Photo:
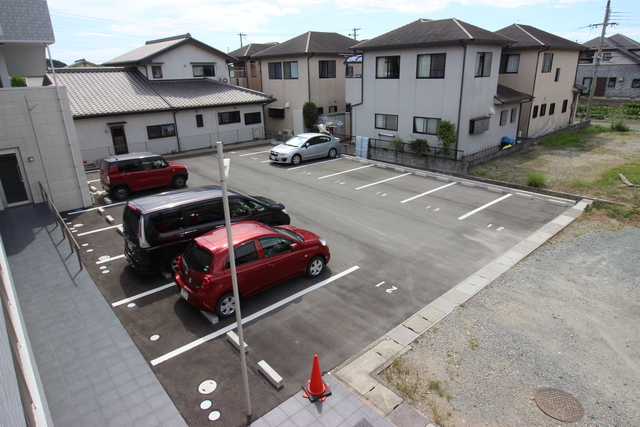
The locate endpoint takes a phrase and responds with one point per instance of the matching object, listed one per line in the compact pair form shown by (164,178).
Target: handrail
(73,245)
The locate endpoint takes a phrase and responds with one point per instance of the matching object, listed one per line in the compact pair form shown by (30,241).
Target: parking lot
(398,238)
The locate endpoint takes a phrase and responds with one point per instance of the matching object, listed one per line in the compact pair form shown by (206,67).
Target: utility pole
(241,37)
(598,55)
(355,33)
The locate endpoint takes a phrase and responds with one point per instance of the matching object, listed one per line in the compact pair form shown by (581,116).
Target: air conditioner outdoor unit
(223,79)
(287,132)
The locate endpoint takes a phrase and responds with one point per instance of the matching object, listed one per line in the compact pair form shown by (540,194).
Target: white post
(234,278)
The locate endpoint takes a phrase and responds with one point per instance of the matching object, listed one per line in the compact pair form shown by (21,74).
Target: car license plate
(184,294)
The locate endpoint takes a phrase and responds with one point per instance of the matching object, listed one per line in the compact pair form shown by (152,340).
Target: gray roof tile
(251,49)
(427,32)
(311,42)
(25,20)
(113,90)
(506,95)
(531,37)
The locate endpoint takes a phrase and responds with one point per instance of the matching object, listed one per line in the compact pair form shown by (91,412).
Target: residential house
(543,65)
(82,63)
(38,143)
(309,67)
(170,95)
(247,71)
(427,71)
(619,70)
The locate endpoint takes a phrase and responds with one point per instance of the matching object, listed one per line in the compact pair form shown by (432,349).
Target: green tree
(309,114)
(446,132)
(18,81)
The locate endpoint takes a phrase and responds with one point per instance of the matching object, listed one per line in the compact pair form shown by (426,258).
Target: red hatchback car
(265,256)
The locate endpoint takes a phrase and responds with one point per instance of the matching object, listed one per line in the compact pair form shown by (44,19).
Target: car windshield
(197,258)
(296,141)
(289,233)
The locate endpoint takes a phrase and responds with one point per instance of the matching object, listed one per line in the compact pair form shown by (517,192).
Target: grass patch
(577,138)
(474,344)
(402,378)
(536,179)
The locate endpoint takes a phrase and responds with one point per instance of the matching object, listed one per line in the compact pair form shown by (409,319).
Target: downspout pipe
(309,76)
(66,130)
(361,96)
(175,124)
(464,61)
(533,89)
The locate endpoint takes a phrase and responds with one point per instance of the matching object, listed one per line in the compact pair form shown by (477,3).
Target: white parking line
(98,230)
(347,171)
(251,154)
(248,319)
(312,164)
(98,207)
(485,206)
(384,180)
(110,259)
(428,192)
(144,294)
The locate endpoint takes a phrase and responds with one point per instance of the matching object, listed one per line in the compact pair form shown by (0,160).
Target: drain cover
(559,404)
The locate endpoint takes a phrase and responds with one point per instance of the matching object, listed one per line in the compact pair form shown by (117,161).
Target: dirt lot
(566,317)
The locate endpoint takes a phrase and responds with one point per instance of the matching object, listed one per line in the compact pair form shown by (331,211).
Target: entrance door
(119,140)
(601,85)
(12,179)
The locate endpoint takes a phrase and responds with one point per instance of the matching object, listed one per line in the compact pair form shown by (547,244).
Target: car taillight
(108,180)
(179,263)
(206,282)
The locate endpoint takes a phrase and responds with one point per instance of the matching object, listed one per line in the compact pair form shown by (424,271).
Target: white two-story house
(545,66)
(170,95)
(428,71)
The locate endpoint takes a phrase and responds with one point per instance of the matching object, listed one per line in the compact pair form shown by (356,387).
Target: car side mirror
(306,145)
(295,247)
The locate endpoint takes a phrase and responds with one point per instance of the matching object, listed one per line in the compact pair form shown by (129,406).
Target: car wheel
(296,159)
(178,181)
(120,193)
(226,305)
(333,153)
(315,266)
(172,262)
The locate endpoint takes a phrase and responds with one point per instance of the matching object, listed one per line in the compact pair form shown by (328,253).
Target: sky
(102,30)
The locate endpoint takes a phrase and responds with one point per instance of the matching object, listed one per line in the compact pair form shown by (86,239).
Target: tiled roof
(613,42)
(426,32)
(251,49)
(528,36)
(153,48)
(506,95)
(25,21)
(112,90)
(311,42)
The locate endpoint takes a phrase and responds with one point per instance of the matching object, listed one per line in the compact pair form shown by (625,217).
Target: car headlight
(285,211)
(323,242)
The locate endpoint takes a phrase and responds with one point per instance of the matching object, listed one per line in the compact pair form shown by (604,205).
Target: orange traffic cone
(316,389)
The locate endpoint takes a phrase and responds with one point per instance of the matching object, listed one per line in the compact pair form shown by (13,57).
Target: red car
(265,256)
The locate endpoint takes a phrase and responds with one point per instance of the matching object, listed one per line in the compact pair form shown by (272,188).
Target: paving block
(233,338)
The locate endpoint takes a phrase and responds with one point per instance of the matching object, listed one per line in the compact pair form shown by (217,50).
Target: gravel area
(568,317)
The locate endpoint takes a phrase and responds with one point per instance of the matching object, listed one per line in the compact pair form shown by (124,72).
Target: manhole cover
(559,404)
(207,386)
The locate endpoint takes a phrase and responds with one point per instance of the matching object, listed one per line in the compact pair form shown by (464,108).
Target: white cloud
(429,6)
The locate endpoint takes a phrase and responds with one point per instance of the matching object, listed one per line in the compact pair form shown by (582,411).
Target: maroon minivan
(122,174)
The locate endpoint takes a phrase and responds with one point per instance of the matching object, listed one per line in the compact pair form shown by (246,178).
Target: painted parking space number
(391,289)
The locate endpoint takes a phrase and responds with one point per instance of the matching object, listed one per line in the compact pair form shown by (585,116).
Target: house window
(478,125)
(612,82)
(388,67)
(483,64)
(504,115)
(229,117)
(254,69)
(386,121)
(327,69)
(635,83)
(237,71)
(606,56)
(203,70)
(425,125)
(156,71)
(252,118)
(161,131)
(514,115)
(275,70)
(431,66)
(320,110)
(565,103)
(333,109)
(535,112)
(276,112)
(552,108)
(509,63)
(199,121)
(586,81)
(291,70)
(547,62)
(543,110)
(557,79)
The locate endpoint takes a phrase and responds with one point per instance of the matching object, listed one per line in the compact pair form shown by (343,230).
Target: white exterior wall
(95,133)
(409,97)
(177,63)
(41,134)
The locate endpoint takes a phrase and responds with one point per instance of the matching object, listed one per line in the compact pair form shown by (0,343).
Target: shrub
(446,132)
(18,81)
(419,146)
(309,114)
(397,144)
(619,127)
(536,179)
(631,109)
